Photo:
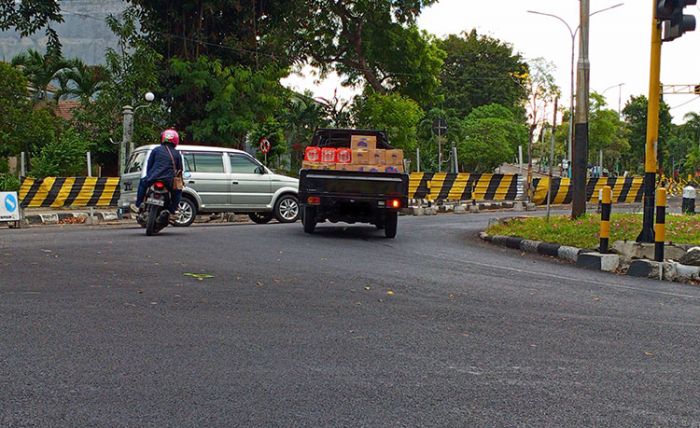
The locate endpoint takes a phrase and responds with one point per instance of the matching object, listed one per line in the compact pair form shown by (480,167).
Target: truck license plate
(154,201)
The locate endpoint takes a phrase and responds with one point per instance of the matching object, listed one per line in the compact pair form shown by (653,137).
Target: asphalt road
(101,327)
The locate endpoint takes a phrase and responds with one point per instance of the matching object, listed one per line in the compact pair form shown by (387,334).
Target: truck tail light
(394,203)
(314,200)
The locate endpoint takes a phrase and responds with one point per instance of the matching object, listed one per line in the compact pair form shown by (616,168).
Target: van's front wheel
(287,209)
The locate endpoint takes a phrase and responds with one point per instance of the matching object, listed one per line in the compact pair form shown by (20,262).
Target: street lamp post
(128,130)
(619,96)
(573,34)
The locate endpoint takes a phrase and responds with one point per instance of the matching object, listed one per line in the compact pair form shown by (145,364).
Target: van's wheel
(309,219)
(390,224)
(186,213)
(287,209)
(260,218)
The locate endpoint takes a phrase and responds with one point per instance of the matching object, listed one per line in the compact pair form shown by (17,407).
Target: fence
(57,192)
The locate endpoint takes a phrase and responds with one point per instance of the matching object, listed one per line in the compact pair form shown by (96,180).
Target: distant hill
(83,33)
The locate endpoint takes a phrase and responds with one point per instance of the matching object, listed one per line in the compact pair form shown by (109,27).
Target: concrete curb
(465,207)
(588,259)
(67,218)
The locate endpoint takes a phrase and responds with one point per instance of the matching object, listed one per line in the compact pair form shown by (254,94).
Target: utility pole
(580,152)
(551,157)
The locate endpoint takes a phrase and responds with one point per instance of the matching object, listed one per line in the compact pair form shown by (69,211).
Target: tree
(133,68)
(231,102)
(372,42)
(396,114)
(40,70)
(64,157)
(481,70)
(635,114)
(606,132)
(22,128)
(82,81)
(301,117)
(492,134)
(27,17)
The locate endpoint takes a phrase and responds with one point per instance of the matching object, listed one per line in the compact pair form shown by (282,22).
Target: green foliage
(133,69)
(583,231)
(8,182)
(399,116)
(375,42)
(692,161)
(227,101)
(481,70)
(40,70)
(606,132)
(22,128)
(491,136)
(82,81)
(635,113)
(27,17)
(64,157)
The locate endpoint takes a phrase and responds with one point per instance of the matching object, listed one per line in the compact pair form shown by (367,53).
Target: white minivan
(219,180)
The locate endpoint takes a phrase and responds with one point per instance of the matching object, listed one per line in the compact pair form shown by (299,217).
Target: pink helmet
(170,136)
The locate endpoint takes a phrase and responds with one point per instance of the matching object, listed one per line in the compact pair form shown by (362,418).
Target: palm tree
(692,121)
(82,81)
(40,70)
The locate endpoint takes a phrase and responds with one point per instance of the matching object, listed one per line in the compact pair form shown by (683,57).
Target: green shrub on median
(8,183)
(583,232)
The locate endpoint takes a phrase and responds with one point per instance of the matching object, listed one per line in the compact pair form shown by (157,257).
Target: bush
(64,157)
(8,183)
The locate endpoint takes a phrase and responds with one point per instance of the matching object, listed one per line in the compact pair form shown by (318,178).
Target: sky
(619,46)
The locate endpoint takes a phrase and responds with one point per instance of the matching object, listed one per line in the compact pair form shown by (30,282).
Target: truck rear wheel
(390,224)
(309,219)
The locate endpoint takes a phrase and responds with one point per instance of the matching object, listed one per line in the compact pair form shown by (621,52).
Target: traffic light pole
(580,150)
(652,141)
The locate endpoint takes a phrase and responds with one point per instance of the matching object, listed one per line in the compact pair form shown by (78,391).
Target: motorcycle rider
(163,164)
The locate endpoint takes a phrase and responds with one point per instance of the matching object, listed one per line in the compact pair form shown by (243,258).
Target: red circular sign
(265,145)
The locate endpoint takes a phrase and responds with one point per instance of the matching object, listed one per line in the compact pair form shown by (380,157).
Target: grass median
(583,232)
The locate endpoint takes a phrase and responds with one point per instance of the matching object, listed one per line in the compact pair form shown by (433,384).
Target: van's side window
(203,162)
(242,164)
(137,162)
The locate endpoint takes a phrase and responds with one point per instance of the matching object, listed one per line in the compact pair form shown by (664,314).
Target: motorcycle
(154,214)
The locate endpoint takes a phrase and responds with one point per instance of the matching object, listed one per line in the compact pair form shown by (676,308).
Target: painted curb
(670,271)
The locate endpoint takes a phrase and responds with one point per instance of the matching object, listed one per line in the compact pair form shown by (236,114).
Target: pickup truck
(351,196)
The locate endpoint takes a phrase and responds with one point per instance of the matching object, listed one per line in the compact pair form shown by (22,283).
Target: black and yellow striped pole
(660,226)
(605,211)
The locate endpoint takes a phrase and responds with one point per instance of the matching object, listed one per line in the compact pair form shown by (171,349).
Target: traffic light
(675,23)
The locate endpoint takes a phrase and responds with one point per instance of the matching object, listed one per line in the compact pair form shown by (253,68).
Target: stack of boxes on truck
(363,155)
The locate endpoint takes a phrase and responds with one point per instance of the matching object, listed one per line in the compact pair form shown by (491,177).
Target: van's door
(206,175)
(249,188)
(135,169)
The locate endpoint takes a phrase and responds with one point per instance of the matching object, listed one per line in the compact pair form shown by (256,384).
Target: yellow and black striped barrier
(443,186)
(57,192)
(624,189)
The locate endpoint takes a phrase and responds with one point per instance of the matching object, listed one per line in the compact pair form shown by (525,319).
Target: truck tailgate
(352,184)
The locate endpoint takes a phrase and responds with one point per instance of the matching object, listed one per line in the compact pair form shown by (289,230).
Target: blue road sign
(10,203)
